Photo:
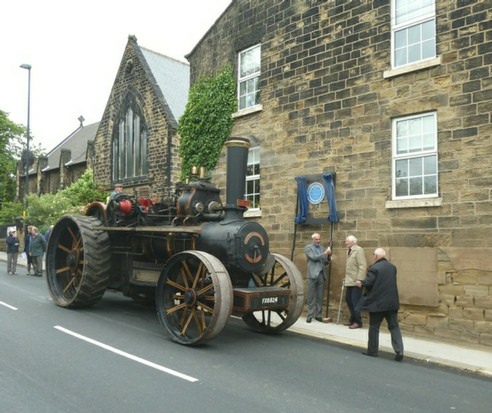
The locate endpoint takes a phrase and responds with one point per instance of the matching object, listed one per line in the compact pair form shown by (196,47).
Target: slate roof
(172,77)
(76,142)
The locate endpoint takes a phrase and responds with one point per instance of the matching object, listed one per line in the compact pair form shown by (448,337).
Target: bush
(47,209)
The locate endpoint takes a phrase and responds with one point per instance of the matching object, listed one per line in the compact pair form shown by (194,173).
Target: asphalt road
(115,357)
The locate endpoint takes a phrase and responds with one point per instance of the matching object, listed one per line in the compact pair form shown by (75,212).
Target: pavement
(467,358)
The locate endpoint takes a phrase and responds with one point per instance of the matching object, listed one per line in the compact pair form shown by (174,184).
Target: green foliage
(47,209)
(12,151)
(10,143)
(207,121)
(10,211)
(83,190)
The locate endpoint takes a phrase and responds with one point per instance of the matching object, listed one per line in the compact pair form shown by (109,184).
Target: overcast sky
(75,49)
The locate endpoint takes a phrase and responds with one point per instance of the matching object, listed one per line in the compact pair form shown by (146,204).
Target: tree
(47,209)
(207,121)
(10,144)
(84,190)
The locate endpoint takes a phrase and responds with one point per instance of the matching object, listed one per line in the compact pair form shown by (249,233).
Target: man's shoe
(308,320)
(355,325)
(348,324)
(399,357)
(319,319)
(369,354)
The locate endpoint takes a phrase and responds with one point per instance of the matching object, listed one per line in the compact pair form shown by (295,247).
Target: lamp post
(28,67)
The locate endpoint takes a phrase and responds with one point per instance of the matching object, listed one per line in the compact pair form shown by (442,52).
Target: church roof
(76,143)
(172,77)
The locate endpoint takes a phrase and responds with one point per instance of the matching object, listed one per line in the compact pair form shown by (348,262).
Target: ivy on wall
(207,121)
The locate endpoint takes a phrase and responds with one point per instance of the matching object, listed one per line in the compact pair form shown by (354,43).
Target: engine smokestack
(237,161)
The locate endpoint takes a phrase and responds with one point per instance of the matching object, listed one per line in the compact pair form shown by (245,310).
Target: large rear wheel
(194,297)
(284,274)
(78,261)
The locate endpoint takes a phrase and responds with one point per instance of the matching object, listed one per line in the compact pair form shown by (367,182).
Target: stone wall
(133,80)
(327,105)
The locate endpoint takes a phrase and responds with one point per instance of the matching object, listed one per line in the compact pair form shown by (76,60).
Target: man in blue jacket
(382,302)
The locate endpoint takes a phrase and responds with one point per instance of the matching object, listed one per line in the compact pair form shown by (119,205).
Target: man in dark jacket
(12,251)
(36,250)
(27,248)
(382,302)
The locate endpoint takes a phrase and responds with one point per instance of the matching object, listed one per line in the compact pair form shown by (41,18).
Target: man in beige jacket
(355,270)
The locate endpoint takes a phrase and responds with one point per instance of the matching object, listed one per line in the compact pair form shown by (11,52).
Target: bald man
(382,303)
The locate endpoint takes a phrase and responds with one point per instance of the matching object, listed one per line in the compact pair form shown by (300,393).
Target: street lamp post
(28,67)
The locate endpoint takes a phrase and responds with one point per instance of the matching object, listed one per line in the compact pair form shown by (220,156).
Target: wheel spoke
(175,308)
(187,324)
(175,285)
(204,290)
(198,274)
(186,273)
(63,248)
(205,307)
(69,284)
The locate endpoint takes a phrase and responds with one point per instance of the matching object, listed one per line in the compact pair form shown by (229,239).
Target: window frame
(129,147)
(253,159)
(419,20)
(256,75)
(415,154)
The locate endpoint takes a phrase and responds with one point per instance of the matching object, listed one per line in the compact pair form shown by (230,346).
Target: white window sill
(252,213)
(412,67)
(414,203)
(248,111)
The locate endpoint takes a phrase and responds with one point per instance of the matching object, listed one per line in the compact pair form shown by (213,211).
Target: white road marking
(128,355)
(8,306)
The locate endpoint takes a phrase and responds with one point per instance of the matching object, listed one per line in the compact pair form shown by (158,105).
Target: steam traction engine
(197,258)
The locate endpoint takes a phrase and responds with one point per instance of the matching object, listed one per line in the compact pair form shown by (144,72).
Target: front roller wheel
(194,297)
(78,261)
(285,274)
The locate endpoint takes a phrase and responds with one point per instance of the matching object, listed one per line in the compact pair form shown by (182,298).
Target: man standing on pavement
(12,251)
(27,248)
(355,270)
(316,261)
(37,249)
(382,302)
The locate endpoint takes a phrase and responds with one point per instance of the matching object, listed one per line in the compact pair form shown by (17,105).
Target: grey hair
(380,253)
(351,238)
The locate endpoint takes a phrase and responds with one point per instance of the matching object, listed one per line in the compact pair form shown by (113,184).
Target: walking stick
(340,305)
(329,275)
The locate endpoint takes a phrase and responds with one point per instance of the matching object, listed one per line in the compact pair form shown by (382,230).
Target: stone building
(395,102)
(63,164)
(137,143)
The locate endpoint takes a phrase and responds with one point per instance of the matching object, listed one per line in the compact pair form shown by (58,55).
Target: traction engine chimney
(237,162)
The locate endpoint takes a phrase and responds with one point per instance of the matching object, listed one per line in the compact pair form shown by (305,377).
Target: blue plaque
(315,193)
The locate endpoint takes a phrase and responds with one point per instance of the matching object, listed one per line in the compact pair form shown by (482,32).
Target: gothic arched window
(130,147)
